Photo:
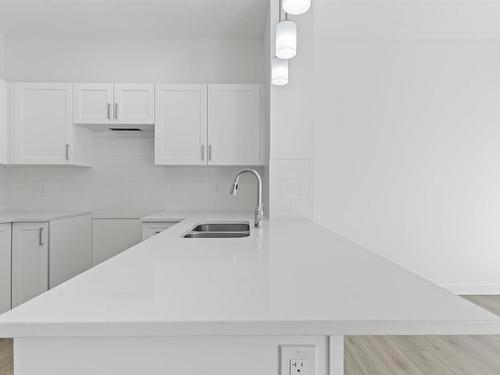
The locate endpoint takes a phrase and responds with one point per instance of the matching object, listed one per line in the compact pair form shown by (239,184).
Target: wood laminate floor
(399,355)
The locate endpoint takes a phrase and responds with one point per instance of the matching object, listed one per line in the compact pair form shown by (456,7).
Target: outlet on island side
(297,360)
(298,367)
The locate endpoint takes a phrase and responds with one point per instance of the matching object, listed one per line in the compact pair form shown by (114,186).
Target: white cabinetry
(42,123)
(5,261)
(181,124)
(70,248)
(107,103)
(235,125)
(3,122)
(30,261)
(134,103)
(41,128)
(33,270)
(111,236)
(150,229)
(209,125)
(93,103)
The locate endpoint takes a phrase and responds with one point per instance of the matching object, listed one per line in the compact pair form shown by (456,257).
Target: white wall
(291,126)
(3,115)
(124,177)
(406,156)
(145,59)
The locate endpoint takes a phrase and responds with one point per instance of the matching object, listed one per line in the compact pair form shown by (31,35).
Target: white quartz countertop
(288,278)
(38,216)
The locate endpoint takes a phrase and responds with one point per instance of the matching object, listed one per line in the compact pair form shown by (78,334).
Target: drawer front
(152,229)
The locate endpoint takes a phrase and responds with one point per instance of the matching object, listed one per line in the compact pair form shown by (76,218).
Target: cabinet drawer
(150,229)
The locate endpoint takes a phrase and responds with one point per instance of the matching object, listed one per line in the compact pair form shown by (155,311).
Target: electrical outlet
(298,359)
(44,187)
(298,367)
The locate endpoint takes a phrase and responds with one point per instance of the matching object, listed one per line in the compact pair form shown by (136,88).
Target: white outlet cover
(289,353)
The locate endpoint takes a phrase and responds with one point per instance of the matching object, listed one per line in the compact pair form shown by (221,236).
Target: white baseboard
(474,289)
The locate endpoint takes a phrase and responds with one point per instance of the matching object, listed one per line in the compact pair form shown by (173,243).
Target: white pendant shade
(286,40)
(296,7)
(279,72)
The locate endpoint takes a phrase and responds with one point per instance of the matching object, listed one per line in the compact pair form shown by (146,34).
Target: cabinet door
(93,103)
(5,261)
(42,125)
(134,103)
(235,125)
(70,248)
(30,261)
(4,143)
(181,124)
(112,236)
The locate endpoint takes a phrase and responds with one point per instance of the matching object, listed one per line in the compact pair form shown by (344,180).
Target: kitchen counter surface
(288,278)
(38,216)
(121,214)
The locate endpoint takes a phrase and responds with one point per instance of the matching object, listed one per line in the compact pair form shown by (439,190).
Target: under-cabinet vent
(125,129)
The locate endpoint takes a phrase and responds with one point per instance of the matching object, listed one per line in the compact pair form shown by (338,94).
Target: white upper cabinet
(107,103)
(181,124)
(134,103)
(93,103)
(209,125)
(42,123)
(41,126)
(235,125)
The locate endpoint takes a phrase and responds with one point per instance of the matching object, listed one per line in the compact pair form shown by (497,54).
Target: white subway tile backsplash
(123,177)
(290,188)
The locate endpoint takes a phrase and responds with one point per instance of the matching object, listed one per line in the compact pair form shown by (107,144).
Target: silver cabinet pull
(67,152)
(202,152)
(40,236)
(116,111)
(109,111)
(209,152)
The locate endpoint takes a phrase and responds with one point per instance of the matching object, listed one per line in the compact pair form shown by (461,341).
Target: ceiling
(221,18)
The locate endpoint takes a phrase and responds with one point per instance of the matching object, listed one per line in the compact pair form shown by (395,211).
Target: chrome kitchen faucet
(259,210)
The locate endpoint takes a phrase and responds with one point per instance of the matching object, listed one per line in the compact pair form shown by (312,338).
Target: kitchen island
(226,305)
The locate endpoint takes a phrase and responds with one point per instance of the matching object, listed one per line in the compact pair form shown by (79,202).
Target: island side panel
(228,355)
(336,346)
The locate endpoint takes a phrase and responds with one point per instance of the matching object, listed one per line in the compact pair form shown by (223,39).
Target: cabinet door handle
(67,152)
(109,111)
(209,152)
(40,236)
(116,111)
(202,152)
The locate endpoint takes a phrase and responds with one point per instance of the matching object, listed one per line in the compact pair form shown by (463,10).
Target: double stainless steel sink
(220,230)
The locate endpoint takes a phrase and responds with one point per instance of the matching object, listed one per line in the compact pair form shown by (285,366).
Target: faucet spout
(259,210)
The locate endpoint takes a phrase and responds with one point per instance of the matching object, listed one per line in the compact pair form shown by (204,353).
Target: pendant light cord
(281,11)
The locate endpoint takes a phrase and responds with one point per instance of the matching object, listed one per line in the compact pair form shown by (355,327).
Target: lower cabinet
(111,236)
(5,261)
(70,248)
(150,229)
(30,261)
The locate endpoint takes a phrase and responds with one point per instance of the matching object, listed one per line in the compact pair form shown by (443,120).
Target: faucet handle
(259,217)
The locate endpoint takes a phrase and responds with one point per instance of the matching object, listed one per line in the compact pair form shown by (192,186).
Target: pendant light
(279,72)
(286,39)
(296,7)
